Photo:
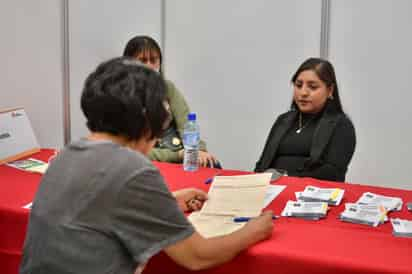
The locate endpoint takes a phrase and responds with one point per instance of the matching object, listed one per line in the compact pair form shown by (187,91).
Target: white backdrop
(31,70)
(99,30)
(370,48)
(233,60)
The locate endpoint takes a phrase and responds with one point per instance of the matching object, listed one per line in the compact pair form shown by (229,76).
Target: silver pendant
(298,130)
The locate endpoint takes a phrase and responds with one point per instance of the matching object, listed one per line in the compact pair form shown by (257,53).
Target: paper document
(28,206)
(272,192)
(306,210)
(213,225)
(237,195)
(230,197)
(390,203)
(332,196)
(372,215)
(401,227)
(31,165)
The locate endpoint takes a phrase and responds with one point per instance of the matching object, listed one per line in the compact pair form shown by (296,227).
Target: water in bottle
(191,139)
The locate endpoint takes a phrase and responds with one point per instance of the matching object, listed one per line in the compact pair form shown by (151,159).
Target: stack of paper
(390,203)
(402,228)
(364,214)
(332,196)
(230,197)
(31,165)
(306,210)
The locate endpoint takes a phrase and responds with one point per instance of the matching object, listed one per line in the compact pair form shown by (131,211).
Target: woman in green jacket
(170,147)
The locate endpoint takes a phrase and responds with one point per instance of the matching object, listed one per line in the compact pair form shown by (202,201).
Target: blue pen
(209,180)
(246,219)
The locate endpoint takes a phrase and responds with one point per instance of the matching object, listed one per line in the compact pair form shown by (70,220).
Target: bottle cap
(191,116)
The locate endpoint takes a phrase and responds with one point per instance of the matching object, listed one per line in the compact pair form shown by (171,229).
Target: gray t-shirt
(100,208)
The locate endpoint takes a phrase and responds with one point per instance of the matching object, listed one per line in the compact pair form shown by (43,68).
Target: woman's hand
(190,199)
(206,158)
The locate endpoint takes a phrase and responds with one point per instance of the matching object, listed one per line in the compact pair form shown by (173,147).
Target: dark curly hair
(123,97)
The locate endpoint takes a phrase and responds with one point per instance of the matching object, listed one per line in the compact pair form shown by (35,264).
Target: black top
(295,145)
(322,150)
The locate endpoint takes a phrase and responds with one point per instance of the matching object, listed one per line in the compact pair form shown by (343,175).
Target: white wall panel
(99,30)
(371,46)
(31,71)
(233,61)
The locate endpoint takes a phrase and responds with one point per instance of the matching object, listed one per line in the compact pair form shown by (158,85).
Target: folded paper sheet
(230,197)
(237,195)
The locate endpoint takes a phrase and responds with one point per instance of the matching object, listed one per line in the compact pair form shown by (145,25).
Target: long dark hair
(140,44)
(324,70)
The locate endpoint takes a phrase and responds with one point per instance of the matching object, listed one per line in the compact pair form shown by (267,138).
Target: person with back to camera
(170,147)
(102,207)
(315,138)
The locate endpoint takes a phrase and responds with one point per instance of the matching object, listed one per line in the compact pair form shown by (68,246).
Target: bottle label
(190,160)
(191,139)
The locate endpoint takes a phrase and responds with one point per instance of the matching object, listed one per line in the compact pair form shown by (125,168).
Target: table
(296,246)
(17,188)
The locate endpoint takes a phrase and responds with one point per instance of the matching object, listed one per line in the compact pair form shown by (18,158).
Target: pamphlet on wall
(17,139)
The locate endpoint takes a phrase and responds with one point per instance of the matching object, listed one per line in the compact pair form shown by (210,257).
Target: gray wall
(233,61)
(235,67)
(371,50)
(31,71)
(99,30)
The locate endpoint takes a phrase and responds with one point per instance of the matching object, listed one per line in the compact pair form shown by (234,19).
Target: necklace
(301,127)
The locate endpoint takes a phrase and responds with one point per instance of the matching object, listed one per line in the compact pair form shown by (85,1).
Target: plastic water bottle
(191,139)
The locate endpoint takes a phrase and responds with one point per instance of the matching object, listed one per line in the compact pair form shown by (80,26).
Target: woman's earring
(330,97)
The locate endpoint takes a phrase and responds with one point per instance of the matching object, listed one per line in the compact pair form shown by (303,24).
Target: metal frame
(163,31)
(66,74)
(324,29)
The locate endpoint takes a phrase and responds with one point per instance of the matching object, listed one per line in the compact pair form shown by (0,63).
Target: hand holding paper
(190,199)
(230,197)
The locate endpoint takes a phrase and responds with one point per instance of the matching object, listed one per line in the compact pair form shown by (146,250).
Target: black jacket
(332,147)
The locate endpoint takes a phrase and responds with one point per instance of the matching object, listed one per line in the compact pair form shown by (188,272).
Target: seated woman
(102,207)
(170,147)
(315,138)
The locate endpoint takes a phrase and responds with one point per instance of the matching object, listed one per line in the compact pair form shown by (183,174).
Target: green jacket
(179,109)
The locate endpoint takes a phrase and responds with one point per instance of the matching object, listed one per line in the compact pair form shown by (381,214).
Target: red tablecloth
(17,189)
(297,246)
